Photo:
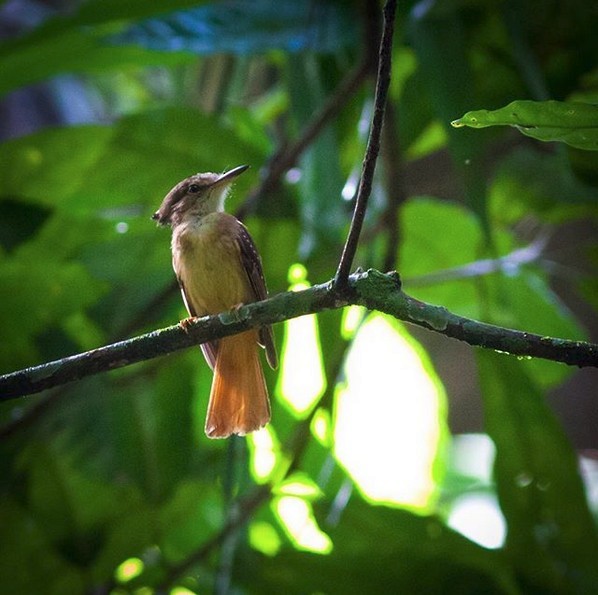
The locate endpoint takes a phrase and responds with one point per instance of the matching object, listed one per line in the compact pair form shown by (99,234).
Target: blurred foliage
(106,105)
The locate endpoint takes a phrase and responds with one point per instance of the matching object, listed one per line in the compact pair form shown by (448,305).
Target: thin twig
(372,289)
(479,268)
(33,413)
(288,155)
(373,147)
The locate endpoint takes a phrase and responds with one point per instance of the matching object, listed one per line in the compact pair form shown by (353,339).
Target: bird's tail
(239,398)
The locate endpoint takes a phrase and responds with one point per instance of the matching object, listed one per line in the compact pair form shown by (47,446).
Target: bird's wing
(250,259)
(210,348)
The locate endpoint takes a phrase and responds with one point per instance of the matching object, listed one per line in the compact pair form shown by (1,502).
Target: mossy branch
(372,289)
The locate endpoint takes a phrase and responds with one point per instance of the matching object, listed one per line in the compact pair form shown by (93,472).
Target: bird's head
(196,196)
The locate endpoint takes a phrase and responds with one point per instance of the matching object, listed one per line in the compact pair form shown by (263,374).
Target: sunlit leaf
(296,517)
(265,453)
(573,123)
(442,264)
(264,538)
(133,163)
(300,485)
(301,379)
(390,418)
(129,569)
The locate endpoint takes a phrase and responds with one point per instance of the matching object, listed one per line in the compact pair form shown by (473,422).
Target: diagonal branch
(479,268)
(371,289)
(289,155)
(373,147)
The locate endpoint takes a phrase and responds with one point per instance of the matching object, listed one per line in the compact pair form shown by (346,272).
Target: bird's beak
(228,176)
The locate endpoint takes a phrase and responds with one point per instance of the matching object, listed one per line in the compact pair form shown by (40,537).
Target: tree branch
(371,289)
(288,155)
(373,147)
(479,268)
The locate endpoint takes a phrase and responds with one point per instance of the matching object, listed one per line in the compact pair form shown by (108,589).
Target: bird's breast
(207,261)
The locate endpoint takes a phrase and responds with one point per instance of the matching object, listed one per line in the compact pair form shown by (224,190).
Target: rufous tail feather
(239,398)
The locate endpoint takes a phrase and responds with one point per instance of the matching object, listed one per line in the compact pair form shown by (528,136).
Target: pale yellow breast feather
(207,261)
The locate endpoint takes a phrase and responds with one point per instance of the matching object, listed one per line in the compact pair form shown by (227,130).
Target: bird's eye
(194,188)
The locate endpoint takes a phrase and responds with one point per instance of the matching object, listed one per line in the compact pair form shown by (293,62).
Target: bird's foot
(186,323)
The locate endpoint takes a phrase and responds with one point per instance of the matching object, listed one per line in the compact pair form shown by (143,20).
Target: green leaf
(570,122)
(432,245)
(135,426)
(445,264)
(321,207)
(524,300)
(37,295)
(189,517)
(30,564)
(85,536)
(73,51)
(529,181)
(552,539)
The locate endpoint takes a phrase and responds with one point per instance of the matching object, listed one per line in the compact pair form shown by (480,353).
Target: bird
(218,269)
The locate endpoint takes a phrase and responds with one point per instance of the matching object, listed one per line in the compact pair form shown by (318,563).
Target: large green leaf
(570,122)
(438,237)
(37,295)
(529,181)
(443,261)
(552,540)
(30,564)
(134,162)
(73,51)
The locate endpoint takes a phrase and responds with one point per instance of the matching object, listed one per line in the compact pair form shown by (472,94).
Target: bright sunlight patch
(297,519)
(264,449)
(391,417)
(301,381)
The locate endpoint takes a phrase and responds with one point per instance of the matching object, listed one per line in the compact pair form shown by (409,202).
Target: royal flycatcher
(218,268)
